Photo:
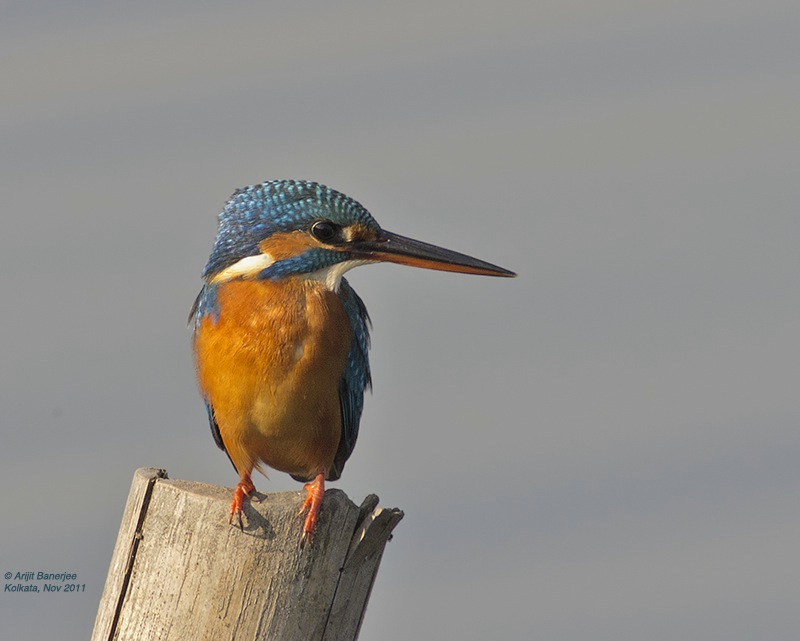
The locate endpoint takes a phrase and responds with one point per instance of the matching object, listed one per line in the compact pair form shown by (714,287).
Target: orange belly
(270,366)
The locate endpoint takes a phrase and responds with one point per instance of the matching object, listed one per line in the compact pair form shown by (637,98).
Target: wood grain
(179,571)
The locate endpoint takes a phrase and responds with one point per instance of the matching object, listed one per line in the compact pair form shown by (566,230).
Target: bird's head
(297,228)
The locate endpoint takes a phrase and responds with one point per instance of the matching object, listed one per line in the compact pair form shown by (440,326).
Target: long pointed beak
(394,248)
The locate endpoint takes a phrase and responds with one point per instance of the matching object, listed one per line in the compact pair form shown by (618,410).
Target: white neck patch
(331,276)
(249,266)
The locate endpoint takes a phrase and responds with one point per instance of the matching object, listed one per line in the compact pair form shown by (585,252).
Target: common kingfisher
(281,339)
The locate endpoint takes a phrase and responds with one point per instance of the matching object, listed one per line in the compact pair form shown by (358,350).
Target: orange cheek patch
(287,244)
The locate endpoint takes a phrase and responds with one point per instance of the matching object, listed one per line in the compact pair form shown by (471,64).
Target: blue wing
(356,378)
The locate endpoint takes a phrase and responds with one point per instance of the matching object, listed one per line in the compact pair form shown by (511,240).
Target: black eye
(324,231)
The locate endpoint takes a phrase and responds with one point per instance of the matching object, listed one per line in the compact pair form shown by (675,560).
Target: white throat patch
(331,276)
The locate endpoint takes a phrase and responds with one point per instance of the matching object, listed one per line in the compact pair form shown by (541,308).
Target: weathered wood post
(179,571)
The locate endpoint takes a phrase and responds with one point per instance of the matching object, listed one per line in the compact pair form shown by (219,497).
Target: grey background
(604,448)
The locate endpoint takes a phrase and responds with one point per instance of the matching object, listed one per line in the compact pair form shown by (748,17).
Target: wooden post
(179,571)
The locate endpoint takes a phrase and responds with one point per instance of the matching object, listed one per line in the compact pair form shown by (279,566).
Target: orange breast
(270,366)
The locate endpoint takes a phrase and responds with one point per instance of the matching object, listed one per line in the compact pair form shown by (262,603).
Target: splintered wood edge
(357,576)
(373,531)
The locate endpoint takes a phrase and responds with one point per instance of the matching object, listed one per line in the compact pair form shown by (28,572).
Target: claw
(315,492)
(243,489)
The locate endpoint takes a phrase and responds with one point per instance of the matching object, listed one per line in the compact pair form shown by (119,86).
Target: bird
(281,339)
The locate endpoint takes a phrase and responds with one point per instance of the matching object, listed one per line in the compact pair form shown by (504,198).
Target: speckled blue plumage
(255,212)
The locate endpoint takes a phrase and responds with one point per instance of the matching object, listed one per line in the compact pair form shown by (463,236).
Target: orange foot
(316,490)
(243,488)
